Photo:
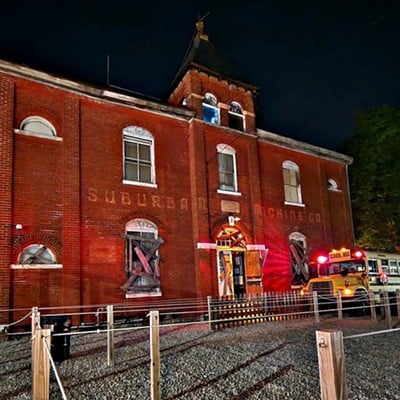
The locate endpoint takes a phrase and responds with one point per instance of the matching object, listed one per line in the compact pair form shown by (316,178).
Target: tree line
(374,178)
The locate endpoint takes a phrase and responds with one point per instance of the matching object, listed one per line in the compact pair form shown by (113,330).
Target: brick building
(111,198)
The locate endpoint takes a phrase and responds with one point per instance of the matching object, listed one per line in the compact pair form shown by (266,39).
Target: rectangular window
(373,266)
(210,114)
(226,172)
(384,265)
(142,263)
(138,160)
(236,121)
(292,186)
(393,266)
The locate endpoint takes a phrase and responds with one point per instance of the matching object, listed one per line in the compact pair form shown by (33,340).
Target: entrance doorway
(231,249)
(231,273)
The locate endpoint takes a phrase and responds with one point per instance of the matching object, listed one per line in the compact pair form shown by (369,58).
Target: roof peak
(203,56)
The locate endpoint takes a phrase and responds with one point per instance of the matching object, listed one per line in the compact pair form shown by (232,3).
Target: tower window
(235,117)
(210,109)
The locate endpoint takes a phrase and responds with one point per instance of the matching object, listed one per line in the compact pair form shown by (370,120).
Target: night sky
(316,63)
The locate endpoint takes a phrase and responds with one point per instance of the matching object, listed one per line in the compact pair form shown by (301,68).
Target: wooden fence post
(331,365)
(155,355)
(371,296)
(388,314)
(35,322)
(209,300)
(41,364)
(339,305)
(35,326)
(316,309)
(110,335)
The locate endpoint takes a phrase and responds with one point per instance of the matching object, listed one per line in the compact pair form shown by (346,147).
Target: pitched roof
(205,57)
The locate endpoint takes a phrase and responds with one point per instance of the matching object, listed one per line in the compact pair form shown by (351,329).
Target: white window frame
(289,187)
(230,151)
(210,102)
(143,226)
(237,115)
(49,131)
(333,185)
(139,135)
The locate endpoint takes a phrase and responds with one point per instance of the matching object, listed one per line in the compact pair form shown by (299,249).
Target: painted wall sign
(139,199)
(288,215)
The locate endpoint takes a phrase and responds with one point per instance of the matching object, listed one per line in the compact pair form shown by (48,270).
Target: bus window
(373,266)
(392,267)
(384,265)
(334,269)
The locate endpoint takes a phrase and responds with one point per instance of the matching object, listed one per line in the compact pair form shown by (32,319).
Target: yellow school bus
(341,272)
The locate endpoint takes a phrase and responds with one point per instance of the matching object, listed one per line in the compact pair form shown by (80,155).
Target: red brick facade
(69,194)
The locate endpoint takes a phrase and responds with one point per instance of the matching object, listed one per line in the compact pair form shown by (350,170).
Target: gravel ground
(275,360)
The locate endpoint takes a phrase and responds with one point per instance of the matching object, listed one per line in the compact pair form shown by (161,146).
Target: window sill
(334,190)
(134,183)
(221,191)
(289,203)
(33,134)
(142,295)
(36,266)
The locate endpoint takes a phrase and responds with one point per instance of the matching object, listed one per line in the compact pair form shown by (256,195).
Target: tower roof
(204,56)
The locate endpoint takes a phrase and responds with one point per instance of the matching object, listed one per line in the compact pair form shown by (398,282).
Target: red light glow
(322,259)
(358,254)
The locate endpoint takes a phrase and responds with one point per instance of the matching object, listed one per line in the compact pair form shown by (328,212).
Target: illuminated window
(227,168)
(142,258)
(235,117)
(36,254)
(38,126)
(138,155)
(291,182)
(210,109)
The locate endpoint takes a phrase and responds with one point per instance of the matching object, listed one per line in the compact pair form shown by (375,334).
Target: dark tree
(375,178)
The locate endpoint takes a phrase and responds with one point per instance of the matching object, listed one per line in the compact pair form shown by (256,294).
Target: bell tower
(210,85)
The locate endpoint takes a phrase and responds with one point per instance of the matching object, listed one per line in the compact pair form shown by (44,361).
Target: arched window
(210,109)
(235,117)
(299,259)
(38,126)
(291,182)
(227,176)
(332,184)
(142,260)
(36,254)
(138,155)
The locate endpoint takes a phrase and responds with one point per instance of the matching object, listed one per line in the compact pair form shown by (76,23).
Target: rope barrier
(54,369)
(372,333)
(17,322)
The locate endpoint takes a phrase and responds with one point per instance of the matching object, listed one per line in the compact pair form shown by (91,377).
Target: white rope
(372,333)
(54,368)
(20,320)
